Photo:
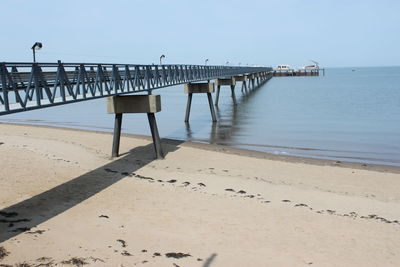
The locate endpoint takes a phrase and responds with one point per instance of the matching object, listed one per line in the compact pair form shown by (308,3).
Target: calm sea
(350,114)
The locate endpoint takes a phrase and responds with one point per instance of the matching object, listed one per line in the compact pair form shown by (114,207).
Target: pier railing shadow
(31,212)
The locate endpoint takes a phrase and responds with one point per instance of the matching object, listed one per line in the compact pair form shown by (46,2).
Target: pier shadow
(209,260)
(31,212)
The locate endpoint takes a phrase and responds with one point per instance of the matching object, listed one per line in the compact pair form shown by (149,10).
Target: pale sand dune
(293,212)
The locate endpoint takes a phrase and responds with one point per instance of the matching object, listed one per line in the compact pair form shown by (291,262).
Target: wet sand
(64,202)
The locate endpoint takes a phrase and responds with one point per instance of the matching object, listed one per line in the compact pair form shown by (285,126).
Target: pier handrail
(26,85)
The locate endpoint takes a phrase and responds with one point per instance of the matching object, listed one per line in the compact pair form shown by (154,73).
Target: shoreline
(239,151)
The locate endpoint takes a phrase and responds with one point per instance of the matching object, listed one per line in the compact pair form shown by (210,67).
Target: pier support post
(217,96)
(200,88)
(225,81)
(244,86)
(243,79)
(250,81)
(117,135)
(155,135)
(188,106)
(233,94)
(211,104)
(149,104)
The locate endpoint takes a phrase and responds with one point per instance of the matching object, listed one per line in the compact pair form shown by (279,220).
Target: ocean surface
(350,114)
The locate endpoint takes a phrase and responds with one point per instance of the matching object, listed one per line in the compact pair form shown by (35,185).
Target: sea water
(350,114)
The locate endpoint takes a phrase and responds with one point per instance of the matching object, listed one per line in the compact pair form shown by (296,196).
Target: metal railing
(27,86)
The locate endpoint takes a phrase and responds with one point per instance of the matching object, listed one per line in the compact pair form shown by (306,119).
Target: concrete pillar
(200,88)
(250,81)
(225,81)
(243,79)
(149,104)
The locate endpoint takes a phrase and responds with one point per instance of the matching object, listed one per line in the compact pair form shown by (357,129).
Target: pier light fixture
(36,46)
(161,57)
(205,62)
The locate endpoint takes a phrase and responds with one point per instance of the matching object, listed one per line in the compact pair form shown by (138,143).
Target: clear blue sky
(334,32)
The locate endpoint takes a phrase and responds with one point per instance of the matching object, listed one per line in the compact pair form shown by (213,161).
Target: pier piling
(225,81)
(149,104)
(200,88)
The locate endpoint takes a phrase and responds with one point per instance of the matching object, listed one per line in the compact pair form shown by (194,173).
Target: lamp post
(161,57)
(205,62)
(36,46)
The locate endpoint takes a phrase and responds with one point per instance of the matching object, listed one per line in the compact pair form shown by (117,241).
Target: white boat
(315,66)
(283,68)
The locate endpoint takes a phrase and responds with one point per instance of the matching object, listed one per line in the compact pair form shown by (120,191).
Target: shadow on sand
(29,213)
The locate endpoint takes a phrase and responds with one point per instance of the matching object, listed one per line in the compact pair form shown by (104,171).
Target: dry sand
(64,202)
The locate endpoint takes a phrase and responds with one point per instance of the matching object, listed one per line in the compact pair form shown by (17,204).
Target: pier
(29,86)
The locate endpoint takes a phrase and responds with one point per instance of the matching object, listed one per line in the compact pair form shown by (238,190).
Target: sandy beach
(64,202)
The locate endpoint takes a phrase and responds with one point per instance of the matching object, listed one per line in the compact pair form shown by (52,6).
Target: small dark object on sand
(171,181)
(198,259)
(201,184)
(75,261)
(301,205)
(126,253)
(177,255)
(36,232)
(249,196)
(156,254)
(241,192)
(144,261)
(104,216)
(3,253)
(42,259)
(95,259)
(286,200)
(143,177)
(24,264)
(175,265)
(123,243)
(186,183)
(8,214)
(144,250)
(230,190)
